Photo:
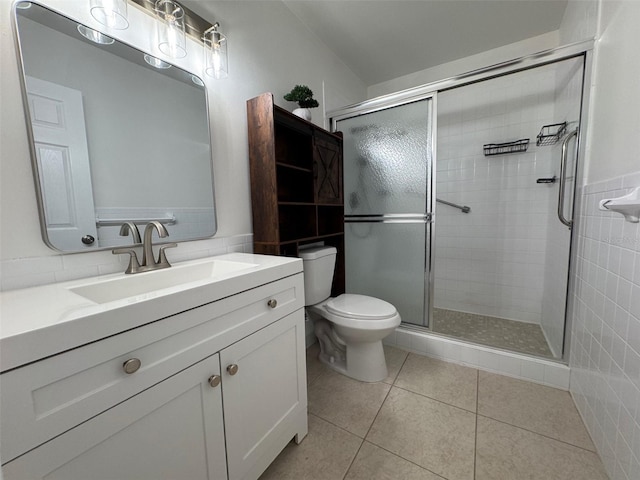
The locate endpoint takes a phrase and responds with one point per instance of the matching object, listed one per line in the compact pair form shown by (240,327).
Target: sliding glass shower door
(507,150)
(387,182)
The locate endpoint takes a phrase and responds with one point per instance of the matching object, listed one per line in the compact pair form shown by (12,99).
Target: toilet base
(364,362)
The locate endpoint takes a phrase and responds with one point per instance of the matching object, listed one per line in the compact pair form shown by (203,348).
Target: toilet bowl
(350,327)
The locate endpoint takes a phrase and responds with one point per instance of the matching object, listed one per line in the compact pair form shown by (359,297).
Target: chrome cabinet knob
(214,380)
(273,303)
(132,365)
(232,369)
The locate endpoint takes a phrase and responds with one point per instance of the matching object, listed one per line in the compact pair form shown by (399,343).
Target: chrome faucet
(148,262)
(130,227)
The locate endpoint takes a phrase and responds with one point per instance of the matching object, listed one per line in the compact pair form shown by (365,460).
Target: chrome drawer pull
(232,369)
(132,365)
(214,380)
(273,303)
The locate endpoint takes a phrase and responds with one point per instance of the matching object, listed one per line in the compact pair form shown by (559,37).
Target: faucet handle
(162,257)
(134,265)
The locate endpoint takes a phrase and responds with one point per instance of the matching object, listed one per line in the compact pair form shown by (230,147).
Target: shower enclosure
(458,203)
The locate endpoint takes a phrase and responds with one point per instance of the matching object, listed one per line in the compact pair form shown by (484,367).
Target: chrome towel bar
(109,222)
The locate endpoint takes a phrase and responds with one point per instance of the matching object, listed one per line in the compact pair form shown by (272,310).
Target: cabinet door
(174,430)
(265,400)
(327,164)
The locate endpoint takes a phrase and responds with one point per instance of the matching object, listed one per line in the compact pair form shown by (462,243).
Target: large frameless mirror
(117,135)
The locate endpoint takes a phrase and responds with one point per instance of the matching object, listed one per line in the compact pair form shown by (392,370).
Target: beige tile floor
(432,420)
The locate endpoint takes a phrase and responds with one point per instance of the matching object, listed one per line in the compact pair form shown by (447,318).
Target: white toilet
(350,327)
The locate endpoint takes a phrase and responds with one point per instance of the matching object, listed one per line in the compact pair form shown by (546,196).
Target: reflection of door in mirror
(57,118)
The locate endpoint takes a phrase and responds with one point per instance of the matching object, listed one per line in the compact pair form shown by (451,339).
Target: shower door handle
(563,179)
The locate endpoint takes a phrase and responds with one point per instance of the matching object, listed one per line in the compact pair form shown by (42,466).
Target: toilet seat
(361,312)
(361,307)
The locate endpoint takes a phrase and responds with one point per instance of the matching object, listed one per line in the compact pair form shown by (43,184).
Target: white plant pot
(303,113)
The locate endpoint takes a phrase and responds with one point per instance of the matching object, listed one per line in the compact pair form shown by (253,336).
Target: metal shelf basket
(550,134)
(517,146)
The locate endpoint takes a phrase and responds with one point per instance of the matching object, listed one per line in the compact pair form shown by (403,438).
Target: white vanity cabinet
(173,430)
(214,392)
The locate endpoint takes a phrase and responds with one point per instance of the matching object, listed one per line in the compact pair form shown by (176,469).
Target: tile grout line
(538,433)
(405,459)
(381,447)
(434,399)
(309,383)
(334,425)
(353,460)
(374,418)
(522,428)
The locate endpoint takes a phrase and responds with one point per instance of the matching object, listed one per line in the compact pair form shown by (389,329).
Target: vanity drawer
(44,399)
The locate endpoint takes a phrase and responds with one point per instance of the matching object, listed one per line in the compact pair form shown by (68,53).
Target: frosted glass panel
(387,261)
(386,155)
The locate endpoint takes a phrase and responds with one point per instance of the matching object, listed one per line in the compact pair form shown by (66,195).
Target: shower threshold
(492,331)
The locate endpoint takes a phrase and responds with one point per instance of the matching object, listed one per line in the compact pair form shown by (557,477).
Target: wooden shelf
(293,167)
(296,183)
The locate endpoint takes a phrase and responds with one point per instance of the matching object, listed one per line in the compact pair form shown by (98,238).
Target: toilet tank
(319,263)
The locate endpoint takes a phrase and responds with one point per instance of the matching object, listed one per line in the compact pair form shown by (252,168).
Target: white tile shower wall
(34,271)
(189,222)
(526,367)
(605,337)
(491,261)
(568,92)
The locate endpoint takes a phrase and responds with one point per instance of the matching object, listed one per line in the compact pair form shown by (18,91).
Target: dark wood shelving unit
(296,184)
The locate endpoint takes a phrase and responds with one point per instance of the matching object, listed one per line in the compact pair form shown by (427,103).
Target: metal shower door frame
(430,90)
(427,217)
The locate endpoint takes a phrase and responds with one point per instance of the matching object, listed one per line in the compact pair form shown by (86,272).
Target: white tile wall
(33,271)
(605,338)
(536,370)
(492,260)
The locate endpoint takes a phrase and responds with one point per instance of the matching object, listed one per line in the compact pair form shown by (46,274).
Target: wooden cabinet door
(173,430)
(327,164)
(265,400)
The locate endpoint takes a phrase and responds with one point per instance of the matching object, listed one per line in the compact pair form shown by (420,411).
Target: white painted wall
(450,69)
(605,338)
(580,21)
(269,50)
(615,111)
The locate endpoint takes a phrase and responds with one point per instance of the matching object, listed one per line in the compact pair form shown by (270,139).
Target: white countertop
(42,321)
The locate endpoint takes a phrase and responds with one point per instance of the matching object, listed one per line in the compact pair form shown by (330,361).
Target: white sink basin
(144,283)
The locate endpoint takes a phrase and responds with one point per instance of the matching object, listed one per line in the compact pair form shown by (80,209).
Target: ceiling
(384,39)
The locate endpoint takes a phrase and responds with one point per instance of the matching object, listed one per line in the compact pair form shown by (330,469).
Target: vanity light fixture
(215,53)
(156,62)
(172,40)
(110,13)
(94,35)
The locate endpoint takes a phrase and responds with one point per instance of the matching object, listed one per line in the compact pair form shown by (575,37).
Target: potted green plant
(304,97)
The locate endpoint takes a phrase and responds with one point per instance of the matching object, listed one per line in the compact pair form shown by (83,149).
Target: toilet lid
(360,306)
